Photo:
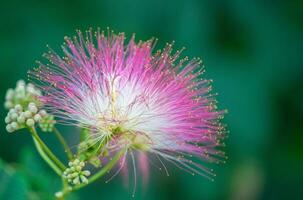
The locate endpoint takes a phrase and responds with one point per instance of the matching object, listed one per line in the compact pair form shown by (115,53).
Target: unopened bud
(9,94)
(30,122)
(37,117)
(21,119)
(7,119)
(9,128)
(18,108)
(76,180)
(14,116)
(27,114)
(8,104)
(83,179)
(14,125)
(42,113)
(32,108)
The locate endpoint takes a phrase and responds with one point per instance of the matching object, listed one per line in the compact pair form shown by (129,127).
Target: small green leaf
(95,161)
(84,134)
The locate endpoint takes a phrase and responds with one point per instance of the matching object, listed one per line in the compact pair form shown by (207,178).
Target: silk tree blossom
(130,97)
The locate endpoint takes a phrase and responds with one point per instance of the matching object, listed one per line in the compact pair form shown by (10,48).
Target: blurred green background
(251,49)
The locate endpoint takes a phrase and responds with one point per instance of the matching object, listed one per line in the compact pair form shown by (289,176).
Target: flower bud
(27,114)
(9,94)
(14,116)
(14,125)
(32,108)
(76,180)
(20,83)
(37,117)
(83,179)
(7,119)
(30,122)
(43,113)
(9,128)
(18,108)
(21,118)
(8,104)
(86,173)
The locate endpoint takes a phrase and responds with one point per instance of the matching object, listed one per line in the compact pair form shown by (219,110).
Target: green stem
(65,190)
(105,169)
(64,144)
(46,158)
(47,150)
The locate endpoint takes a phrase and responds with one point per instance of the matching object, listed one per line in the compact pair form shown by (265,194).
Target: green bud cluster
(24,109)
(75,174)
(47,123)
(18,117)
(23,94)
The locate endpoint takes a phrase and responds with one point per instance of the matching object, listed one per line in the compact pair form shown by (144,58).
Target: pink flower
(132,98)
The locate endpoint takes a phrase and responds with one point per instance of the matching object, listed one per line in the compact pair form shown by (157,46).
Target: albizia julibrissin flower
(131,98)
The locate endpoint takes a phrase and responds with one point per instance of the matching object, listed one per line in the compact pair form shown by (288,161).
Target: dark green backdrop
(251,49)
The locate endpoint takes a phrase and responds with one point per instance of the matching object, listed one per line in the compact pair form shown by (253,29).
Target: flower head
(129,97)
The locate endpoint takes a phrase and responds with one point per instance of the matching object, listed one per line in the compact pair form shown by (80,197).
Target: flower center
(141,142)
(137,141)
